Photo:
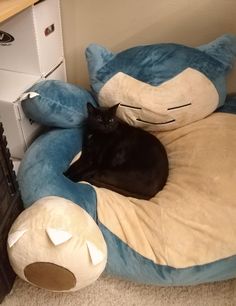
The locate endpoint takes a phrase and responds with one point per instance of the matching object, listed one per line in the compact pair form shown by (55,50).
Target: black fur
(120,157)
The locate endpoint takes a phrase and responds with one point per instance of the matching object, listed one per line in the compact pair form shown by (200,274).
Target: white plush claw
(96,255)
(28,95)
(58,236)
(14,237)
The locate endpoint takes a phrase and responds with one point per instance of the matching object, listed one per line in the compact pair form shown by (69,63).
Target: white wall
(119,24)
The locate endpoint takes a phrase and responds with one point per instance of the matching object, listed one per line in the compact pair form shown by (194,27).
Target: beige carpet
(109,291)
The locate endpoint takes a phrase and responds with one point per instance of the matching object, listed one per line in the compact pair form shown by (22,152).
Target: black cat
(120,157)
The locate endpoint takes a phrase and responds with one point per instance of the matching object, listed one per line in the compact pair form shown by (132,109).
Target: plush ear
(223,49)
(97,56)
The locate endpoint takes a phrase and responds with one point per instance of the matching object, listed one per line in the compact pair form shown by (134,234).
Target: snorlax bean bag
(70,233)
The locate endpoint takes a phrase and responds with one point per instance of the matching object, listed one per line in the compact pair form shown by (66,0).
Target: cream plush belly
(192,220)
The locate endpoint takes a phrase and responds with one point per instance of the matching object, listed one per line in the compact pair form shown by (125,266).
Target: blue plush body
(43,167)
(58,104)
(41,174)
(64,106)
(155,64)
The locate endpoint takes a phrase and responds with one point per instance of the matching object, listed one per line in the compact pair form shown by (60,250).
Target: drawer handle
(49,30)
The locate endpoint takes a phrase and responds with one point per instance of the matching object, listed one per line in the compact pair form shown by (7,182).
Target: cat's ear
(114,108)
(90,108)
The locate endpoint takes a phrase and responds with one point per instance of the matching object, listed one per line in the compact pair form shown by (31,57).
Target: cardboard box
(19,130)
(31,41)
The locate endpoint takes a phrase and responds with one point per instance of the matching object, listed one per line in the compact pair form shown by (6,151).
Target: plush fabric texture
(230,105)
(48,239)
(184,235)
(56,103)
(184,217)
(162,86)
(41,170)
